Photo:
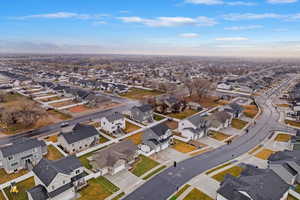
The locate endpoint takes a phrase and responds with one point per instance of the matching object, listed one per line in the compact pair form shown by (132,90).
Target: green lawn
(158,117)
(103,139)
(180,191)
(143,165)
(184,114)
(196,194)
(98,189)
(22,188)
(154,172)
(238,124)
(119,196)
(234,171)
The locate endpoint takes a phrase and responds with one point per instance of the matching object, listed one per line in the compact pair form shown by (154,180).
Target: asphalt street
(167,182)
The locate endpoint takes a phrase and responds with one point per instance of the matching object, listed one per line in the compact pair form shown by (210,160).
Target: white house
(224,86)
(113,123)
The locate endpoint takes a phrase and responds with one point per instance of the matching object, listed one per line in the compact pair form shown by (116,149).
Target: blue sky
(176,27)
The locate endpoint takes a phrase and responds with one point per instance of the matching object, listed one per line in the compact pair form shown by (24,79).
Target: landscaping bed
(234,171)
(98,189)
(22,187)
(238,124)
(143,165)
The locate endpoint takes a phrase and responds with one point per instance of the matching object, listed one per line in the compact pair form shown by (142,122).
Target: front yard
(53,153)
(234,171)
(238,124)
(143,165)
(283,137)
(182,115)
(136,138)
(98,189)
(183,147)
(22,188)
(158,117)
(218,135)
(139,94)
(264,154)
(292,123)
(196,194)
(8,177)
(130,127)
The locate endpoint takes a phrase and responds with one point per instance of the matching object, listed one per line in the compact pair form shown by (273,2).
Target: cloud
(281,1)
(251,16)
(232,39)
(189,35)
(62,15)
(170,21)
(241,28)
(220,2)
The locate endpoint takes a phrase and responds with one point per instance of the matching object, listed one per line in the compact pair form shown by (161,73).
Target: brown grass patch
(183,147)
(264,154)
(172,124)
(53,153)
(136,138)
(218,135)
(283,137)
(78,109)
(8,177)
(130,127)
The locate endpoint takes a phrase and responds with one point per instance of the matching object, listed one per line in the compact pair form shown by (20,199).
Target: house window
(10,158)
(77,171)
(14,164)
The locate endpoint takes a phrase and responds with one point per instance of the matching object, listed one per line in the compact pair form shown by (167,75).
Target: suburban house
(57,180)
(235,109)
(80,138)
(142,114)
(286,165)
(24,153)
(224,86)
(253,184)
(156,138)
(113,123)
(219,120)
(194,127)
(114,158)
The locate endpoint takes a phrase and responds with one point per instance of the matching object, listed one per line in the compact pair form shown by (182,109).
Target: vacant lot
(130,127)
(78,109)
(182,115)
(143,165)
(196,194)
(283,137)
(22,188)
(234,171)
(183,147)
(7,177)
(238,124)
(139,94)
(59,115)
(50,99)
(63,103)
(218,135)
(53,153)
(99,189)
(264,154)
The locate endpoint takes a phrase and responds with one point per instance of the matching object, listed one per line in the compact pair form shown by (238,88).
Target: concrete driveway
(169,154)
(124,179)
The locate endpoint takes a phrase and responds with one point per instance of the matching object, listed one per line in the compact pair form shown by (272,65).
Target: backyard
(139,94)
(22,188)
(184,114)
(7,177)
(130,127)
(53,153)
(143,165)
(98,189)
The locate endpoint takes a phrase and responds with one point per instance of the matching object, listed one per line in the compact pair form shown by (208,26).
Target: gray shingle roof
(46,170)
(80,132)
(21,145)
(38,192)
(159,129)
(144,108)
(114,116)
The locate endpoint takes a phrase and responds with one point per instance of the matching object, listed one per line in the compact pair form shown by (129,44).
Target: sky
(259,28)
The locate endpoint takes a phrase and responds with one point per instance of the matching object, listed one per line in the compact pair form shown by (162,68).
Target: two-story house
(235,109)
(142,114)
(113,123)
(80,138)
(24,153)
(156,138)
(57,180)
(194,127)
